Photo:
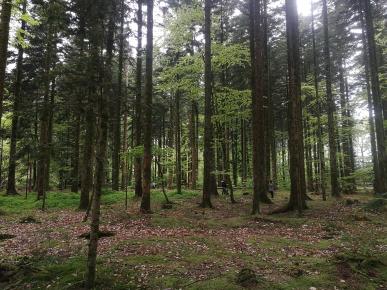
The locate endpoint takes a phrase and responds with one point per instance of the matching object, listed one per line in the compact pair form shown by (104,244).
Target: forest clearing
(337,244)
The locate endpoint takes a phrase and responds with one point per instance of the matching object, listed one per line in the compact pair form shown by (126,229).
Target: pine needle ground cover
(338,243)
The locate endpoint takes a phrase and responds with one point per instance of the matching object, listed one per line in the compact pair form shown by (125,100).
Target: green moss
(170,222)
(321,281)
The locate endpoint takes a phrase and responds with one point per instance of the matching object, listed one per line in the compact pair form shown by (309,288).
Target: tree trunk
(6,8)
(148,94)
(375,164)
(209,182)
(193,145)
(258,121)
(177,143)
(331,106)
(75,157)
(44,146)
(11,184)
(117,113)
(99,73)
(377,98)
(319,129)
(348,184)
(296,145)
(138,104)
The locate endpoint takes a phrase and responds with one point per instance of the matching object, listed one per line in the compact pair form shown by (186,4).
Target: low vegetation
(187,247)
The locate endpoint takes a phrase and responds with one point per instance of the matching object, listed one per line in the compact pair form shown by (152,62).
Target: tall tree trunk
(44,146)
(148,94)
(117,113)
(331,106)
(234,154)
(377,98)
(193,145)
(375,163)
(258,122)
(319,129)
(296,145)
(138,103)
(99,73)
(125,159)
(177,143)
(209,181)
(348,184)
(88,153)
(50,129)
(6,8)
(243,152)
(11,184)
(75,157)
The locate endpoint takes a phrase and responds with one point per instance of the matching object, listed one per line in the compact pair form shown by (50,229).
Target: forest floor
(337,244)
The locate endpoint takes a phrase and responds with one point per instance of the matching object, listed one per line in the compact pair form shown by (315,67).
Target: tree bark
(6,8)
(331,106)
(11,184)
(138,104)
(44,146)
(376,96)
(117,113)
(193,145)
(320,145)
(177,143)
(98,73)
(375,163)
(148,94)
(296,145)
(209,182)
(258,121)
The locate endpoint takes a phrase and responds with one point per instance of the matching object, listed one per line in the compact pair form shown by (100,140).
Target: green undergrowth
(66,200)
(206,253)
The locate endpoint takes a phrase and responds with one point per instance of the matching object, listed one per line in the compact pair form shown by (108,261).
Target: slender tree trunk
(98,73)
(331,107)
(296,145)
(376,96)
(177,143)
(6,8)
(125,159)
(44,146)
(209,182)
(375,163)
(348,184)
(11,184)
(258,122)
(193,145)
(234,154)
(117,113)
(50,128)
(243,151)
(148,94)
(138,103)
(226,160)
(75,157)
(319,129)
